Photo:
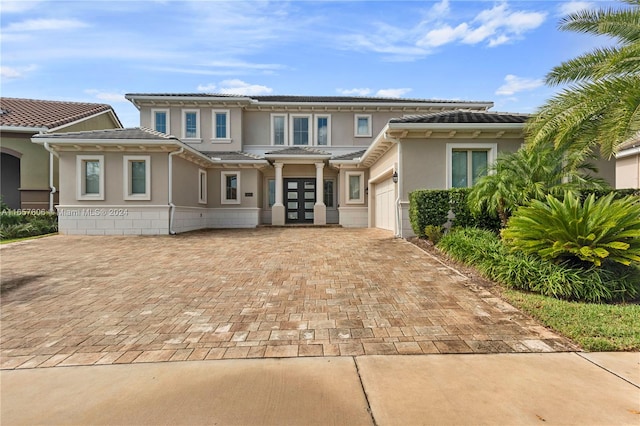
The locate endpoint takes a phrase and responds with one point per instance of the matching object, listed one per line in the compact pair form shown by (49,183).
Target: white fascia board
(187,98)
(216,161)
(382,136)
(20,129)
(628,152)
(297,157)
(455,126)
(453,105)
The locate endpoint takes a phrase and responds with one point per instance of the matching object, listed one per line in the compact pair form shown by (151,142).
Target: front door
(300,197)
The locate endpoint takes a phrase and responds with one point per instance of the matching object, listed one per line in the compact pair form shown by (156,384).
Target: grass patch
(13,240)
(595,327)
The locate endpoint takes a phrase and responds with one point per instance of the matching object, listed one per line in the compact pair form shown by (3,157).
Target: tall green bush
(428,207)
(19,224)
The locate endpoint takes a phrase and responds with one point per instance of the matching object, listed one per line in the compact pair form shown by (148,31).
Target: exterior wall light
(394,177)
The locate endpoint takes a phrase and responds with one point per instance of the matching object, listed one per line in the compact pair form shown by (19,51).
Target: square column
(319,209)
(277,210)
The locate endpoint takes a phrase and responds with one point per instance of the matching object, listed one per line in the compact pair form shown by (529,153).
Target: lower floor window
(355,187)
(202,186)
(137,177)
(467,167)
(328,193)
(230,187)
(90,177)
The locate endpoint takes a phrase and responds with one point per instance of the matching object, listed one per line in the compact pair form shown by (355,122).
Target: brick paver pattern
(266,292)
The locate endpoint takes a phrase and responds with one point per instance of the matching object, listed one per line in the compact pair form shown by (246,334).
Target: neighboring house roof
(135,133)
(34,113)
(633,142)
(463,117)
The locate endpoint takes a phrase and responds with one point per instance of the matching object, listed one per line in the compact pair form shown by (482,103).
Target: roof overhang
(254,164)
(20,129)
(409,107)
(455,130)
(166,100)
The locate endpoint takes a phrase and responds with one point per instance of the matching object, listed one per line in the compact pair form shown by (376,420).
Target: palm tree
(516,178)
(601,107)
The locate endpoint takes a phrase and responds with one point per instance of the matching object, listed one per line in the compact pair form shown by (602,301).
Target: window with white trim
(329,193)
(466,163)
(202,186)
(221,124)
(279,129)
(137,177)
(191,124)
(160,120)
(90,177)
(355,187)
(271,190)
(300,129)
(323,130)
(362,125)
(230,189)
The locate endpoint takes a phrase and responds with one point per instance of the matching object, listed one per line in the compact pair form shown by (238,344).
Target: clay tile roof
(136,133)
(50,114)
(350,156)
(461,116)
(298,150)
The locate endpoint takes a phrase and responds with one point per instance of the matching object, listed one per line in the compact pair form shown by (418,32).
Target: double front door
(300,197)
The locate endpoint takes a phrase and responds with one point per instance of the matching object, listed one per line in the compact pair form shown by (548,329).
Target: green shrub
(19,224)
(465,218)
(484,250)
(578,232)
(433,233)
(428,207)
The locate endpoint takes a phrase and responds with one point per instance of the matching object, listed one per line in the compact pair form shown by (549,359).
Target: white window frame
(491,148)
(202,186)
(348,193)
(80,177)
(184,125)
(316,129)
(333,196)
(269,206)
(153,119)
(292,118)
(227,137)
(355,125)
(223,188)
(127,178)
(273,129)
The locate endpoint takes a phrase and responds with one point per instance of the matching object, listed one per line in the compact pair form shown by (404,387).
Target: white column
(319,209)
(277,210)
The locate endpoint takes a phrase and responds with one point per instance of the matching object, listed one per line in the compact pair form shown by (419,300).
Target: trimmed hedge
(428,207)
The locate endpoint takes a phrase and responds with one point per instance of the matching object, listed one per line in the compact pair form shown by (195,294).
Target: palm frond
(622,24)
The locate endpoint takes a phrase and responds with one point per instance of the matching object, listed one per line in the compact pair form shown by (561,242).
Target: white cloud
(239,87)
(109,97)
(207,87)
(45,25)
(443,35)
(18,6)
(574,6)
(513,84)
(11,73)
(392,93)
(354,92)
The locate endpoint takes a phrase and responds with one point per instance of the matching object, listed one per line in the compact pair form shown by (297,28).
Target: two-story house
(215,161)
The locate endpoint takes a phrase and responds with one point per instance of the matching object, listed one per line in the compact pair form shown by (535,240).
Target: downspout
(172,207)
(53,188)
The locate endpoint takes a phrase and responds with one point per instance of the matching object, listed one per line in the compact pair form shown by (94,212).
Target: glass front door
(300,195)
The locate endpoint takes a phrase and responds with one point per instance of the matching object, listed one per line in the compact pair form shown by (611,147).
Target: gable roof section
(46,115)
(350,156)
(135,133)
(298,150)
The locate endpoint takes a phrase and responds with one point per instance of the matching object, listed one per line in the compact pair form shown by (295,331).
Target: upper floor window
(191,124)
(466,163)
(137,177)
(221,124)
(301,129)
(90,177)
(160,118)
(230,188)
(323,130)
(278,129)
(362,125)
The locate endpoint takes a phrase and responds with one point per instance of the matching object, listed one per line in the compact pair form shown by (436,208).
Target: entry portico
(304,195)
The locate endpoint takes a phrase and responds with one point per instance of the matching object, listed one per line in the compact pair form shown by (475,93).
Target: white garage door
(384,205)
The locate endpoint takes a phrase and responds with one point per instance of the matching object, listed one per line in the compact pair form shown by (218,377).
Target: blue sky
(96,51)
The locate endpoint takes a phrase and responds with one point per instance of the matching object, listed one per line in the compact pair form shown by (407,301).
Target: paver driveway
(267,292)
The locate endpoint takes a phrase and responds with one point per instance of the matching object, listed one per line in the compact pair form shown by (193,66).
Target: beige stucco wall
(34,162)
(388,161)
(186,183)
(606,170)
(423,163)
(206,126)
(99,122)
(113,175)
(250,182)
(628,172)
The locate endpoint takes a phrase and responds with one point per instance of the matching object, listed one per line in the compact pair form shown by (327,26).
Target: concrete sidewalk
(556,388)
